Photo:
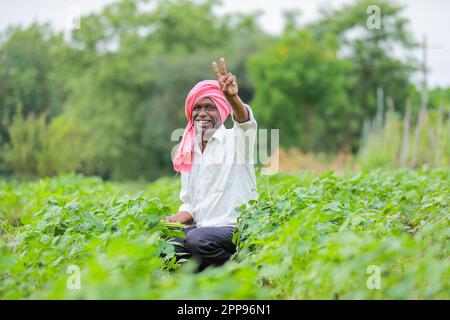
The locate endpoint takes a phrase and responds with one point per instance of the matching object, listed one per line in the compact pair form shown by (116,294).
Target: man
(216,165)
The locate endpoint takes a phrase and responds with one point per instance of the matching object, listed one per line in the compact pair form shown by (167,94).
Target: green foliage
(318,82)
(439,97)
(371,53)
(317,239)
(300,88)
(117,85)
(28,72)
(32,88)
(118,242)
(39,148)
(306,237)
(26,136)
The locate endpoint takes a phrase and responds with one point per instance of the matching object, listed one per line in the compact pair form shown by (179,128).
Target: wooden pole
(405,139)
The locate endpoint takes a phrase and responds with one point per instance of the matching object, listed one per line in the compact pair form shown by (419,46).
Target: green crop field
(374,235)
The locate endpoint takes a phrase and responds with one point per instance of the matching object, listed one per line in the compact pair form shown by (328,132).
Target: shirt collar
(218,134)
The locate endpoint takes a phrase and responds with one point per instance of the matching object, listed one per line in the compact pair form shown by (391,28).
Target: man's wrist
(185,216)
(240,111)
(232,98)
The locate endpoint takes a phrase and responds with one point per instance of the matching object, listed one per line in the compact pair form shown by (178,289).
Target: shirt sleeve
(184,194)
(249,124)
(245,135)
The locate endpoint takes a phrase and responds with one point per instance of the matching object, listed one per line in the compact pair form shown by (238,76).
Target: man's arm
(228,84)
(184,214)
(240,112)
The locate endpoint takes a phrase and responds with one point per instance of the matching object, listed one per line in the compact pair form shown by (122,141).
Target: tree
(28,77)
(300,88)
(130,98)
(373,53)
(26,68)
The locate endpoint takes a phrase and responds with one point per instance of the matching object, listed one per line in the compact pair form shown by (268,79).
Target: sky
(427,17)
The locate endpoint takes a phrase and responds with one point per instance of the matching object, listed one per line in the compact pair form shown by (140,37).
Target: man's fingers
(226,82)
(225,78)
(224,68)
(171,218)
(230,79)
(221,84)
(216,69)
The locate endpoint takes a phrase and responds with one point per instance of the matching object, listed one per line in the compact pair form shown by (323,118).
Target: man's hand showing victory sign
(229,87)
(227,80)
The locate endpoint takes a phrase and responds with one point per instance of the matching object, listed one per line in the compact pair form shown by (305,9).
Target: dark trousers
(208,245)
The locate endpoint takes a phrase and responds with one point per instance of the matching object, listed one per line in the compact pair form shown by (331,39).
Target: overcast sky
(429,17)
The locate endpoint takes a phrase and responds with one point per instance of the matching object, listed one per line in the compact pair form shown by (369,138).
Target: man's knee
(199,244)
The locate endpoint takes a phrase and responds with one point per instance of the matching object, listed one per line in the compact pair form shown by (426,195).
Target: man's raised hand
(227,80)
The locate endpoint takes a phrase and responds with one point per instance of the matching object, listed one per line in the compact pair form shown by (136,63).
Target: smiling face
(206,116)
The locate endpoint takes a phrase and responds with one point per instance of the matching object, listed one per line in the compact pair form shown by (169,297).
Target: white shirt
(222,177)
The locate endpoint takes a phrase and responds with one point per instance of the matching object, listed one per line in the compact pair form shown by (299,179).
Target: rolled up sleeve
(245,134)
(249,124)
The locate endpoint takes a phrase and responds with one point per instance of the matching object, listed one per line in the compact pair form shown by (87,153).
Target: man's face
(206,116)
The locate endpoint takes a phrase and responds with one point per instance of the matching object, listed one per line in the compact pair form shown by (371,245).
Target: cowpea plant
(371,235)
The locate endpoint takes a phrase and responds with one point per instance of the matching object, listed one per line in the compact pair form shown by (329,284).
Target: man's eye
(210,108)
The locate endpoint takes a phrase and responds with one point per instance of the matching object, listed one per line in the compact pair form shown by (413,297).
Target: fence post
(405,139)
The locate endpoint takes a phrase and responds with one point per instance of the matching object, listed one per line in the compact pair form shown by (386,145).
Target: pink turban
(184,155)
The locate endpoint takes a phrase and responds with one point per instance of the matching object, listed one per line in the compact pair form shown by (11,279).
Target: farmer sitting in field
(216,165)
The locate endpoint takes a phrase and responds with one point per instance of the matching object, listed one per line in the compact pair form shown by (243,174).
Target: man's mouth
(203,122)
